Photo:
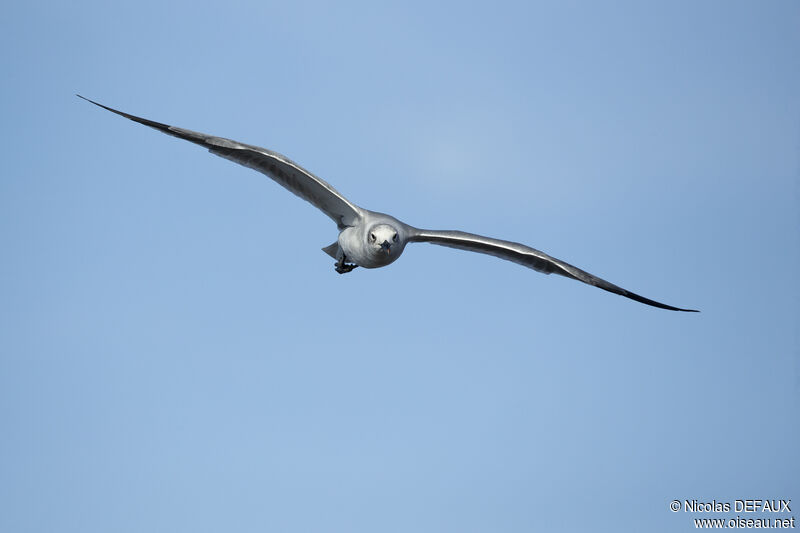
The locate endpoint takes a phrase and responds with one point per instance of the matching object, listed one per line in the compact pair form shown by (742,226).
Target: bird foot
(342,267)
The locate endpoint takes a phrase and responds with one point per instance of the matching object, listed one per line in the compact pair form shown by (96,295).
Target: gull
(367,238)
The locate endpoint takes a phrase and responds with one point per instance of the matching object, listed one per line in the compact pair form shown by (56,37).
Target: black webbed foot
(345,268)
(342,267)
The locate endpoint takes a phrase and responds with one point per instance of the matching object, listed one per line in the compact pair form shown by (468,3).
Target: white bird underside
(355,223)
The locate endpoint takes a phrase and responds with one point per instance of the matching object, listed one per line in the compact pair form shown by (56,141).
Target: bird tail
(332,250)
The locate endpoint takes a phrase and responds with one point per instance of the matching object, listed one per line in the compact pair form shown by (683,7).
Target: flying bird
(366,238)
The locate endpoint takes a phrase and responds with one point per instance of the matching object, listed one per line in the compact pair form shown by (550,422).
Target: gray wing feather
(526,256)
(278,167)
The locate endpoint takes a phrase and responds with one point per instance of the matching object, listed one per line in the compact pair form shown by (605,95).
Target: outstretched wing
(281,169)
(526,256)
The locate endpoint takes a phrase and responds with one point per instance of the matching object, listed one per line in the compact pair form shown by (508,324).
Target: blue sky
(177,354)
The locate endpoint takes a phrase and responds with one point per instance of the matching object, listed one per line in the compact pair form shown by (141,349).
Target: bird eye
(395,237)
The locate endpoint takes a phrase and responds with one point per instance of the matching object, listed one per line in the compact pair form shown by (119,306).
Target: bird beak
(386,247)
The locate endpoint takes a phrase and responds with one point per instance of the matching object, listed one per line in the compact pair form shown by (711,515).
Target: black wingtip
(648,301)
(153,124)
(92,102)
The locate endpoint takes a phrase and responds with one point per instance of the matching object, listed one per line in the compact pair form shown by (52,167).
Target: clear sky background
(177,354)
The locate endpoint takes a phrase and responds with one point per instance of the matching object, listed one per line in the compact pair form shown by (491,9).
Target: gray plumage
(367,238)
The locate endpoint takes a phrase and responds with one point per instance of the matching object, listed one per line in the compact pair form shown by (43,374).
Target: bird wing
(526,256)
(278,167)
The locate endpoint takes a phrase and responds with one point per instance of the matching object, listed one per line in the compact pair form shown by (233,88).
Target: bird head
(384,239)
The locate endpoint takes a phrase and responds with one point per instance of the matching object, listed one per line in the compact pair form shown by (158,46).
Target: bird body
(367,238)
(375,241)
